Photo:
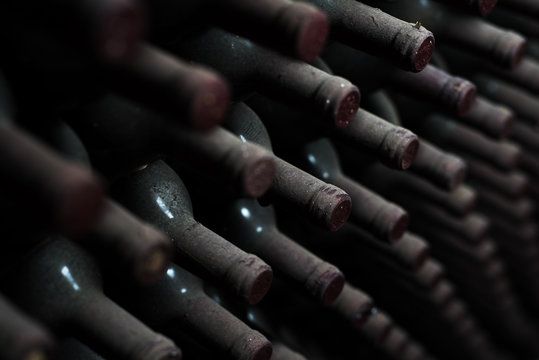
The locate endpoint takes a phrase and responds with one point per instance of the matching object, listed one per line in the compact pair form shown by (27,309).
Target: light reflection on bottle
(67,274)
(164,207)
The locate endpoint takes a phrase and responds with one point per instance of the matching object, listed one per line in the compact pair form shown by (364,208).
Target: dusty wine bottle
(158,195)
(65,196)
(524,104)
(395,146)
(60,284)
(494,120)
(191,95)
(178,302)
(111,30)
(295,28)
(450,135)
(253,228)
(370,29)
(251,68)
(432,84)
(501,46)
(353,305)
(325,204)
(135,245)
(513,183)
(121,136)
(370,211)
(439,167)
(22,338)
(409,187)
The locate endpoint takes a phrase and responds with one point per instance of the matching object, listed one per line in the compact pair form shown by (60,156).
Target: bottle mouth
(121,32)
(313,34)
(347,105)
(332,283)
(423,54)
(340,212)
(398,225)
(211,100)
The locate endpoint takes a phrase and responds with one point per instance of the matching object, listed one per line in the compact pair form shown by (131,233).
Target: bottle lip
(423,54)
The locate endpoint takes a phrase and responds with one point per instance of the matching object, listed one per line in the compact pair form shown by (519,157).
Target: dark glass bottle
(121,136)
(295,28)
(177,303)
(431,85)
(370,29)
(523,103)
(253,228)
(60,284)
(448,134)
(54,193)
(370,211)
(393,145)
(122,241)
(158,195)
(190,95)
(501,46)
(406,187)
(295,189)
(110,30)
(252,68)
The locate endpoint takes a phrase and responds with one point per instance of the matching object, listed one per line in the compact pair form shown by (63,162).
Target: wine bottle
(65,196)
(524,104)
(121,136)
(513,183)
(135,246)
(110,30)
(524,75)
(177,303)
(410,252)
(501,46)
(492,119)
(408,187)
(370,211)
(512,209)
(370,29)
(253,228)
(194,96)
(393,145)
(439,167)
(251,68)
(122,241)
(22,337)
(432,84)
(323,203)
(354,305)
(481,7)
(526,136)
(60,284)
(294,28)
(450,135)
(158,195)
(472,227)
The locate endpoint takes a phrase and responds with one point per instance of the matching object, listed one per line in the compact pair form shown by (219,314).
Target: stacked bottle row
(198,180)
